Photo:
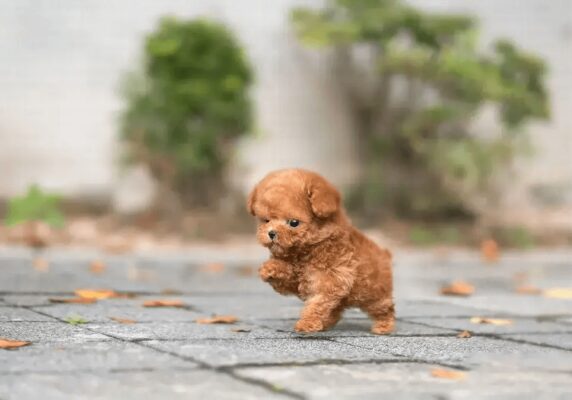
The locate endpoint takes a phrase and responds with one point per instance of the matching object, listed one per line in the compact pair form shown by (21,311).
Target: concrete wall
(62,61)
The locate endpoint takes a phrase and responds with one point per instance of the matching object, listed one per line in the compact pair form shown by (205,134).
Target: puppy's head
(295,209)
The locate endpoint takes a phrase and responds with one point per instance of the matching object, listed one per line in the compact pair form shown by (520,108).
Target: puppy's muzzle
(272,235)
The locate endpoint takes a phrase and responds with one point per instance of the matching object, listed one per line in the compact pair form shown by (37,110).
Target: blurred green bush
(35,206)
(415,81)
(187,107)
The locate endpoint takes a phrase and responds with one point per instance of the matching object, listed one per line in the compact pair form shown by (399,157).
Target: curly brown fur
(323,260)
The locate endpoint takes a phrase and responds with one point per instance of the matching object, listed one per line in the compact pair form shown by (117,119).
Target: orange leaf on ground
(12,344)
(96,293)
(218,319)
(448,374)
(163,303)
(527,289)
(213,267)
(558,293)
(464,335)
(490,251)
(41,264)
(491,321)
(458,288)
(74,300)
(97,267)
(123,320)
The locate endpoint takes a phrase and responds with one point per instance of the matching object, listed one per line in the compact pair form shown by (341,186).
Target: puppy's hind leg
(383,314)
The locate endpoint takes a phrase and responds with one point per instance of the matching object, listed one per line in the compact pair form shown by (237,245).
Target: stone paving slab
(101,356)
(435,309)
(13,314)
(411,381)
(511,304)
(166,354)
(181,331)
(47,331)
(232,352)
(166,384)
(472,352)
(517,325)
(102,311)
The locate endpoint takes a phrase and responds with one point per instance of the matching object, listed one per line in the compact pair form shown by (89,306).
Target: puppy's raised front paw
(266,273)
(306,325)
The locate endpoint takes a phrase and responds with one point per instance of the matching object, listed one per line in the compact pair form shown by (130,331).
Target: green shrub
(35,206)
(188,106)
(415,81)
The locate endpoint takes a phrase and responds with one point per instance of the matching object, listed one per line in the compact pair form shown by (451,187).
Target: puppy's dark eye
(264,220)
(293,223)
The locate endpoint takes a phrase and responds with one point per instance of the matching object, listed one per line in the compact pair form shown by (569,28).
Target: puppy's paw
(273,270)
(384,327)
(306,326)
(267,273)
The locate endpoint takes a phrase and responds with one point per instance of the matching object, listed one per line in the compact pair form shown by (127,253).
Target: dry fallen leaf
(97,267)
(163,303)
(123,320)
(490,250)
(240,330)
(41,264)
(213,267)
(448,374)
(218,319)
(464,335)
(558,293)
(97,294)
(12,344)
(458,288)
(74,300)
(527,289)
(491,321)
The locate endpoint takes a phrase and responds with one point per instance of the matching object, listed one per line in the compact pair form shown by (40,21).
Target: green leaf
(76,320)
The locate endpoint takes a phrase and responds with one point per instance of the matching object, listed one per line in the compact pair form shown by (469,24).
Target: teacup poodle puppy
(316,253)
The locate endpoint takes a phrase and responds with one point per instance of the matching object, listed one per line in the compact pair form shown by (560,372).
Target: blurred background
(144,124)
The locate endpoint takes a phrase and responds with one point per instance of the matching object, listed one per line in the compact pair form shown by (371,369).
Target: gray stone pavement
(165,354)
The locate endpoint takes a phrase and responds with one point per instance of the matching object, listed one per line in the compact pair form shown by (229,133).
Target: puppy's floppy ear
(250,201)
(324,198)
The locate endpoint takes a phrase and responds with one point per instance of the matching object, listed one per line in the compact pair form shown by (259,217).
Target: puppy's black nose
(272,235)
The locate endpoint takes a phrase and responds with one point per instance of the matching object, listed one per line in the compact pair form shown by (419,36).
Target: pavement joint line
(501,336)
(334,361)
(90,371)
(252,381)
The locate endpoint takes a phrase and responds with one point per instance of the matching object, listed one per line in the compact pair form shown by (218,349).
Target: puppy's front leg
(320,313)
(280,275)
